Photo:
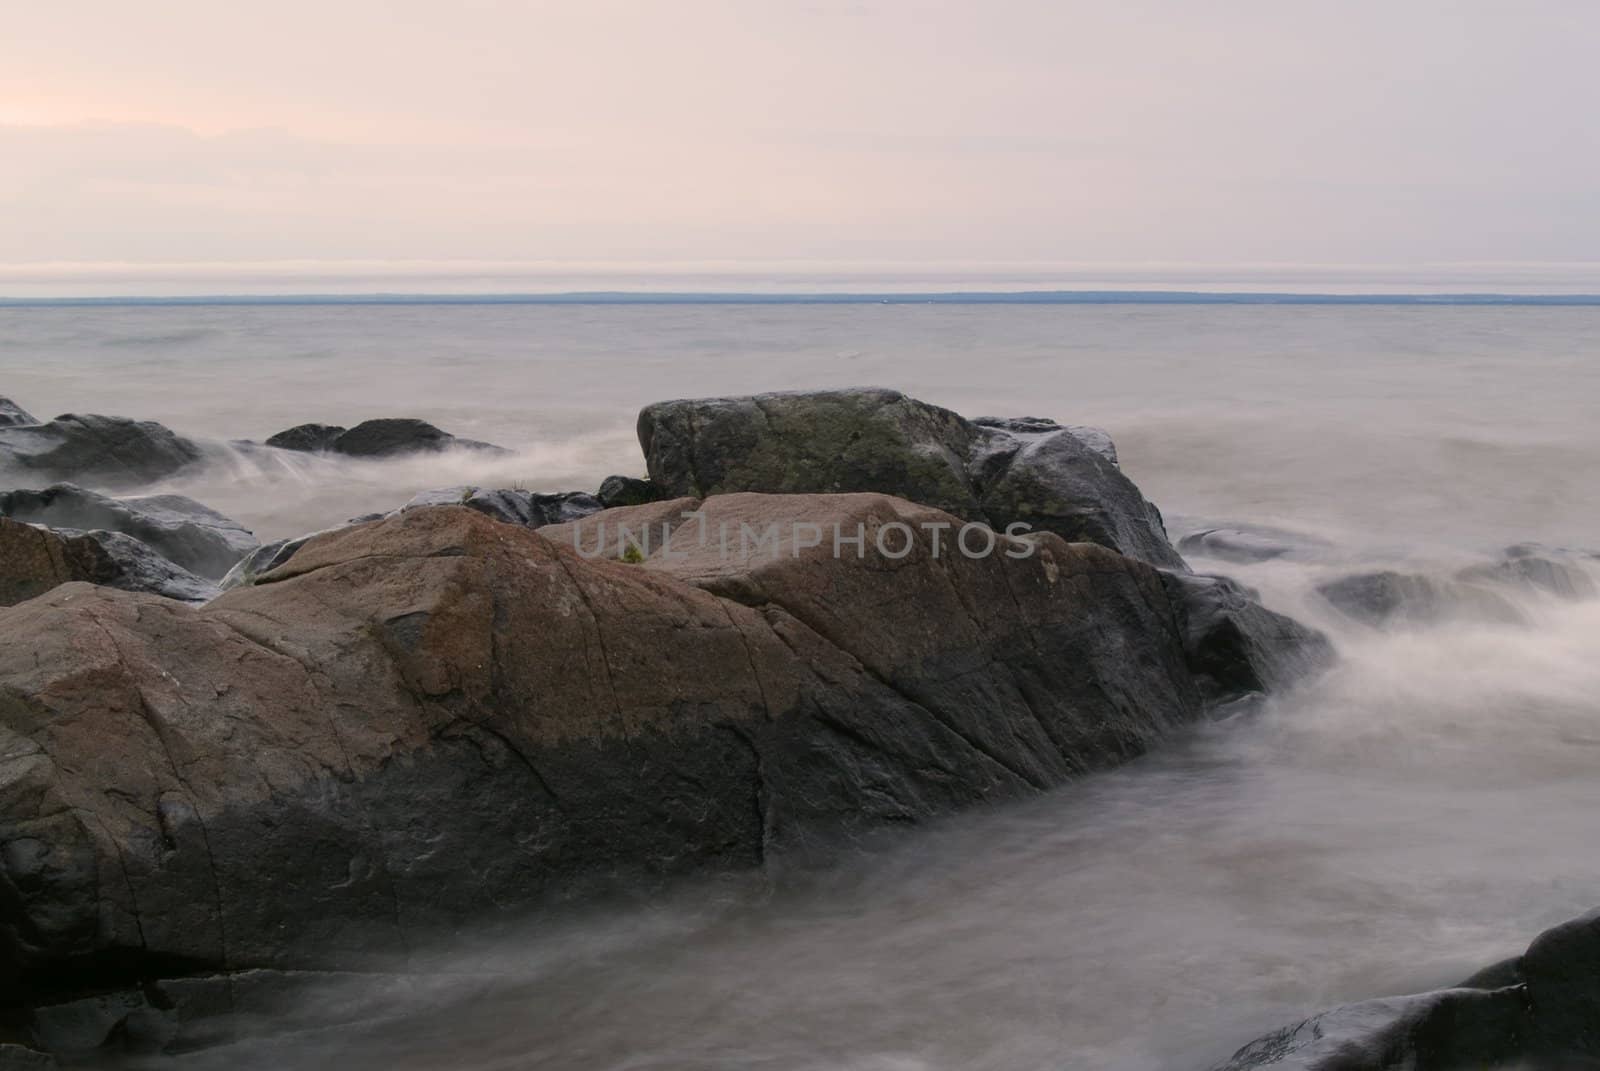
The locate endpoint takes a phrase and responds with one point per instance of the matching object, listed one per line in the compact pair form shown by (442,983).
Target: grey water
(1420,811)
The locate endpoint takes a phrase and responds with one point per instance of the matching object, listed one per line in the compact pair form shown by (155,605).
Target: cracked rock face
(437,718)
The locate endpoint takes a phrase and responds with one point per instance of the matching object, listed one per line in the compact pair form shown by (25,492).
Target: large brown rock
(438,718)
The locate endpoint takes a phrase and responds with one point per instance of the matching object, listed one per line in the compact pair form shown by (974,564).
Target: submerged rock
(384,437)
(1027,470)
(1478,593)
(1251,544)
(113,451)
(35,560)
(307,438)
(12,414)
(1540,1010)
(437,718)
(187,533)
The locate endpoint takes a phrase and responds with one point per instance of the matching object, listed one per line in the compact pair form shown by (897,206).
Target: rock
(1252,544)
(532,509)
(12,414)
(1096,439)
(437,719)
(1553,571)
(1540,1010)
(384,437)
(308,438)
(113,451)
(628,491)
(1562,972)
(36,560)
(804,442)
(1028,471)
(21,1058)
(1052,482)
(1479,593)
(1235,646)
(180,529)
(1449,1030)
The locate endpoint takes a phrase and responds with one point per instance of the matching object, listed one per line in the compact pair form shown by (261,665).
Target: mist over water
(1417,813)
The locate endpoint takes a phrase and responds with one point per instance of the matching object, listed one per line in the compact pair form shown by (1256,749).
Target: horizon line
(943,297)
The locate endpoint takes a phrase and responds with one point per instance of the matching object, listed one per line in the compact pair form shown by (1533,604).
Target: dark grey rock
(1027,470)
(12,414)
(1097,439)
(1562,972)
(1539,1012)
(1235,646)
(384,437)
(1250,544)
(189,534)
(22,1058)
(309,438)
(1387,598)
(628,491)
(1053,482)
(113,451)
(35,559)
(1448,1030)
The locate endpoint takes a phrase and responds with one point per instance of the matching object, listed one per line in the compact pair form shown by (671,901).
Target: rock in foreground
(438,718)
(1539,1011)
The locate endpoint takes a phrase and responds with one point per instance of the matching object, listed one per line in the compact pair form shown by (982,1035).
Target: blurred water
(1419,812)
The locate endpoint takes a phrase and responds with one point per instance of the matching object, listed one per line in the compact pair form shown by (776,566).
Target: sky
(173,143)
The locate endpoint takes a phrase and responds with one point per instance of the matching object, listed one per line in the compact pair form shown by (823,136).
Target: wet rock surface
(384,437)
(1539,1012)
(393,708)
(187,533)
(34,560)
(107,450)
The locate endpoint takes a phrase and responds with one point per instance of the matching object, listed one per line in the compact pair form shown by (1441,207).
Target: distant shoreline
(1033,297)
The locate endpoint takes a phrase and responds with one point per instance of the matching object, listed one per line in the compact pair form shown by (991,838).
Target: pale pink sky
(1304,132)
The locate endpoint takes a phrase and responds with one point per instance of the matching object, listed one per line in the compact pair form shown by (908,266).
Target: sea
(1420,811)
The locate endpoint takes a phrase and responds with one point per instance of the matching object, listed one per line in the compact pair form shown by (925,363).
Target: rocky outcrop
(192,536)
(33,560)
(385,437)
(107,450)
(12,414)
(1029,471)
(437,718)
(1541,1010)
